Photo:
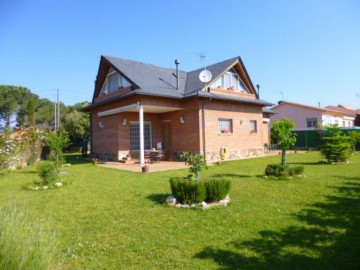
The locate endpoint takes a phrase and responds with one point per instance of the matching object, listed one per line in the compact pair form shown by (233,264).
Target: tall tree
(77,123)
(282,135)
(31,112)
(8,104)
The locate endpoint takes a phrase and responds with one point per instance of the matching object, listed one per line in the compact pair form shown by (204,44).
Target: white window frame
(150,135)
(122,82)
(310,122)
(222,129)
(253,126)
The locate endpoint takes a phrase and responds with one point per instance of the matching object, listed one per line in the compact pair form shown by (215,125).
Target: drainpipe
(203,124)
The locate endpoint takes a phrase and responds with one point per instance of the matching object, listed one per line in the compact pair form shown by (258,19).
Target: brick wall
(113,137)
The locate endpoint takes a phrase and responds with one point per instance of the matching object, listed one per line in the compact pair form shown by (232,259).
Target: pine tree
(335,145)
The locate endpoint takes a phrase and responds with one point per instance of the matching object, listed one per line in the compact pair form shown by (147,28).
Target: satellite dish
(205,76)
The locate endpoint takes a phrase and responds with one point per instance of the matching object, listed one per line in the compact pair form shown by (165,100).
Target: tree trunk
(283,157)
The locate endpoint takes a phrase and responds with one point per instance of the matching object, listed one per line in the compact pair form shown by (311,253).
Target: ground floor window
(225,125)
(311,122)
(135,136)
(253,126)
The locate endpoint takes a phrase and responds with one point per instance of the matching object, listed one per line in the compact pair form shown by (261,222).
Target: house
(137,107)
(311,117)
(351,116)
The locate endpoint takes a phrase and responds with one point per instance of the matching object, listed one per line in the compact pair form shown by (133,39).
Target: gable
(114,80)
(230,79)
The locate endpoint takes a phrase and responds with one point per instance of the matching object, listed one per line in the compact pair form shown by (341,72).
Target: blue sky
(302,51)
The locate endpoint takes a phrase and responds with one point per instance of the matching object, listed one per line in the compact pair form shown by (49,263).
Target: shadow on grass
(159,198)
(76,159)
(329,238)
(232,175)
(309,163)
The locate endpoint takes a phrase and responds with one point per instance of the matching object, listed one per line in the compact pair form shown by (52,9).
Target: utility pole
(58,107)
(55,118)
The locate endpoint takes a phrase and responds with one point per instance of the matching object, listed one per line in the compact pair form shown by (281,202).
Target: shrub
(335,145)
(217,189)
(196,162)
(48,172)
(25,244)
(188,191)
(279,170)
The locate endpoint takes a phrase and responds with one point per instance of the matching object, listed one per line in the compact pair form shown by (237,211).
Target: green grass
(111,219)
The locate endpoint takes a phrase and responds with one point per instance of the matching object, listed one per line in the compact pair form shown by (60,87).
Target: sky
(301,51)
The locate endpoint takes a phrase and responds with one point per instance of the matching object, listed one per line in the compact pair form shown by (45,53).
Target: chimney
(258,90)
(177,63)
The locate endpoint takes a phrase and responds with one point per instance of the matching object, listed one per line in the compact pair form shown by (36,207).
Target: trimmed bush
(217,189)
(279,170)
(48,172)
(188,191)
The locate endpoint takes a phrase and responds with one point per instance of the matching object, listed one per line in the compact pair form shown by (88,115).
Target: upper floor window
(225,125)
(113,81)
(311,122)
(231,79)
(253,126)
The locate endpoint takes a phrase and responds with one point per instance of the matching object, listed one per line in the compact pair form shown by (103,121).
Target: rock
(171,200)
(203,205)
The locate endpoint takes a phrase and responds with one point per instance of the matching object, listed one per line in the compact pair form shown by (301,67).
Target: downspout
(203,124)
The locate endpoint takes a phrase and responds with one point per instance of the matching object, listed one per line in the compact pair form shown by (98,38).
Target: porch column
(141,127)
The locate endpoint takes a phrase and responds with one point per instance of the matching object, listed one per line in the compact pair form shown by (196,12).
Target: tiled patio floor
(167,165)
(153,167)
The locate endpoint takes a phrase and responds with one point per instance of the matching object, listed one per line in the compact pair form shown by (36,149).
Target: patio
(153,167)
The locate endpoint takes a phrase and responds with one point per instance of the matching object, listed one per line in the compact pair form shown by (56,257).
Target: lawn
(111,219)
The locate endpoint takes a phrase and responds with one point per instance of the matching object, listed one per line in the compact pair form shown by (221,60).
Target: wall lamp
(182,121)
(124,122)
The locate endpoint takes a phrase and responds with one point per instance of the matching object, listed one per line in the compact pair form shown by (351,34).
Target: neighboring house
(137,107)
(310,117)
(351,117)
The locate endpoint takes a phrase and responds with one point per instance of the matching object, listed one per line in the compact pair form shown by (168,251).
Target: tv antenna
(201,56)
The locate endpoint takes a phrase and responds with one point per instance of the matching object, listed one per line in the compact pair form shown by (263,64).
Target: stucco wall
(297,113)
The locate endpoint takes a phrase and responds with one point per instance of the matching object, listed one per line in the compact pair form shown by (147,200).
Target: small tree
(335,146)
(282,135)
(57,141)
(354,138)
(196,162)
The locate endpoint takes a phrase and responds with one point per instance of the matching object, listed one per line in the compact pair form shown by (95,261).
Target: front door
(167,140)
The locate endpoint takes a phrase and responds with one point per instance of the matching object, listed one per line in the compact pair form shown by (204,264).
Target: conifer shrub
(217,189)
(187,191)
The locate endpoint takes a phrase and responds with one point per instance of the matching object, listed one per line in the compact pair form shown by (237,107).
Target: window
(135,136)
(311,122)
(225,125)
(231,79)
(253,126)
(113,81)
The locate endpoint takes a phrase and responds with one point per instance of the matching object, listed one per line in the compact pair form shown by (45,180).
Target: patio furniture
(157,156)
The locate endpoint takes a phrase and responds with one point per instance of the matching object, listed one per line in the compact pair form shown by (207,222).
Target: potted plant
(145,168)
(95,161)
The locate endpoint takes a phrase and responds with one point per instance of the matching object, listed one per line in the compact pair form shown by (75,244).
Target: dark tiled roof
(158,81)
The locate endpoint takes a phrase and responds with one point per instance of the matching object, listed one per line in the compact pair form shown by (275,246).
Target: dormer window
(230,79)
(113,81)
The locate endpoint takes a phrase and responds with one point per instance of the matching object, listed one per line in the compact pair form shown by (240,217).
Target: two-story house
(137,107)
